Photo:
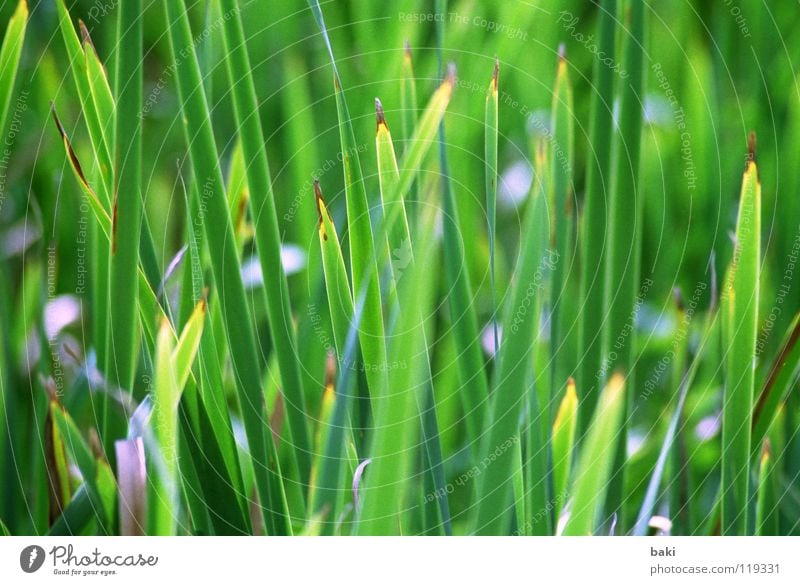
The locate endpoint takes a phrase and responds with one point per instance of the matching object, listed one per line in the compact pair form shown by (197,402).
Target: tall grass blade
(491,127)
(562,164)
(127,208)
(262,200)
(363,259)
(739,306)
(519,331)
(593,236)
(217,226)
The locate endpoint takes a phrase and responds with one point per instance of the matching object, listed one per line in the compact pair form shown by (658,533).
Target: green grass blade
(767,495)
(387,479)
(596,458)
(10,53)
(165,504)
(739,306)
(519,331)
(667,447)
(266,231)
(225,266)
(127,212)
(491,126)
(363,259)
(593,236)
(81,454)
(563,443)
(780,380)
(562,164)
(626,208)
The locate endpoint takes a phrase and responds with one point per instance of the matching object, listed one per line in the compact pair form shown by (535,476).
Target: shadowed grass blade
(780,380)
(127,212)
(593,275)
(626,207)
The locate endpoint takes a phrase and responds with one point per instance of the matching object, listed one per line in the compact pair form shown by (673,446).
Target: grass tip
(379,115)
(766,451)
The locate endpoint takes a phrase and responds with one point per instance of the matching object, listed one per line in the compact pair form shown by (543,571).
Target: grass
(408,276)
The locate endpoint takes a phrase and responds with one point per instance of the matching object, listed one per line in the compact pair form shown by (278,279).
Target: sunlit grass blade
(684,383)
(491,126)
(593,234)
(767,514)
(563,443)
(267,236)
(398,241)
(595,463)
(10,53)
(519,331)
(218,230)
(363,259)
(164,510)
(739,306)
(562,164)
(386,484)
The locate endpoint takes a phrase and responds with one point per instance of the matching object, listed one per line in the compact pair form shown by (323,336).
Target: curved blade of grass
(266,232)
(781,378)
(225,266)
(519,330)
(563,442)
(10,53)
(562,164)
(363,260)
(767,495)
(739,306)
(596,458)
(81,454)
(148,301)
(490,127)
(593,276)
